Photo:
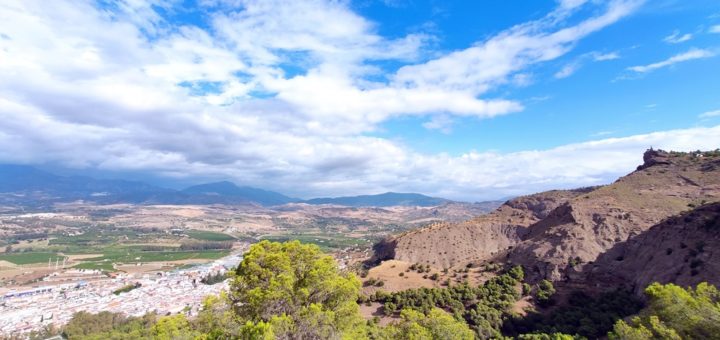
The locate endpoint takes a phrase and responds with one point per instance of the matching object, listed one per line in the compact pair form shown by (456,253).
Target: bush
(544,293)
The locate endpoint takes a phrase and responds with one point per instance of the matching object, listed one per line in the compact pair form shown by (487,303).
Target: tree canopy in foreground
(674,313)
(293,291)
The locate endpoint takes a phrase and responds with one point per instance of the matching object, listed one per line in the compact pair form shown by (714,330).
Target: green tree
(297,290)
(437,324)
(173,327)
(544,293)
(675,313)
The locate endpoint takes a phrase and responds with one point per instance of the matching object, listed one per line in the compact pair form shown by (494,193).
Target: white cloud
(567,70)
(602,133)
(269,97)
(573,66)
(605,56)
(443,123)
(569,4)
(491,62)
(710,114)
(676,38)
(482,175)
(687,56)
(714,29)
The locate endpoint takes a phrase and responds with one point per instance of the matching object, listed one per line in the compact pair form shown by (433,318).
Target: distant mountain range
(228,192)
(382,200)
(29,186)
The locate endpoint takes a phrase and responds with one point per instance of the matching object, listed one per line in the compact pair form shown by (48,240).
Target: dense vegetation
(584,315)
(674,313)
(484,308)
(294,291)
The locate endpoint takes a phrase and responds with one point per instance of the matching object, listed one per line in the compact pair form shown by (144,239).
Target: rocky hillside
(586,226)
(683,249)
(449,244)
(560,233)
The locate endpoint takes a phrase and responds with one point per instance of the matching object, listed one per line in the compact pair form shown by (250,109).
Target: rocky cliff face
(560,234)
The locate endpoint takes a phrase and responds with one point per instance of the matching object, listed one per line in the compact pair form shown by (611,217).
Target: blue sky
(468,100)
(599,99)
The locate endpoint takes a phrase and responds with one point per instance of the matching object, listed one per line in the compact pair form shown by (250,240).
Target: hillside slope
(555,234)
(683,249)
(449,244)
(586,226)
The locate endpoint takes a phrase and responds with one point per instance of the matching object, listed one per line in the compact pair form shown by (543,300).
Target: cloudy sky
(468,100)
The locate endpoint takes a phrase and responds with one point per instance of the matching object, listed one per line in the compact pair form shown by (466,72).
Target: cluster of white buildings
(22,311)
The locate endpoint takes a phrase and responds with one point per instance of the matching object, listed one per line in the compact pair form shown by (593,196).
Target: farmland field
(30,257)
(324,241)
(208,235)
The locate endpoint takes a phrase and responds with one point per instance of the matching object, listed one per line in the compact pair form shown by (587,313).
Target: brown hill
(586,226)
(551,232)
(444,245)
(683,249)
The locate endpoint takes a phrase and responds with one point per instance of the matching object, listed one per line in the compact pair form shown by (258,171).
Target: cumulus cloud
(262,94)
(687,56)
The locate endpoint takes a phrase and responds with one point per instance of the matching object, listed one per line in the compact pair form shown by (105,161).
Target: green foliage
(104,266)
(296,289)
(206,245)
(106,325)
(173,327)
(326,241)
(205,235)
(545,291)
(675,313)
(212,279)
(436,324)
(484,308)
(517,273)
(526,289)
(126,288)
(544,336)
(30,257)
(590,317)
